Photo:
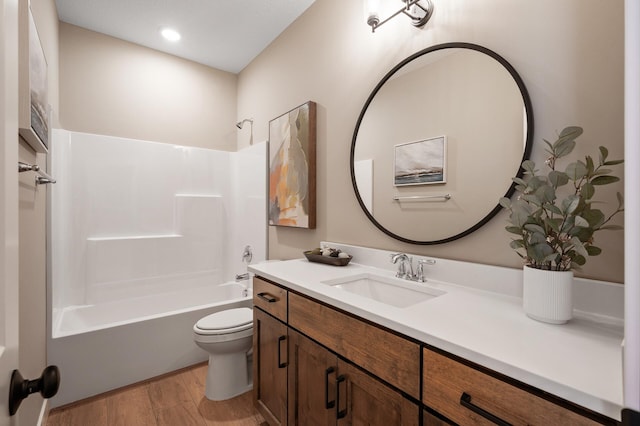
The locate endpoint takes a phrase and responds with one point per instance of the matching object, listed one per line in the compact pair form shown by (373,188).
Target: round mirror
(438,142)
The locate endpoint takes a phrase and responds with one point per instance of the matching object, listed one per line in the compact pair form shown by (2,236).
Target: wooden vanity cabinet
(316,365)
(326,390)
(470,397)
(312,377)
(310,384)
(270,351)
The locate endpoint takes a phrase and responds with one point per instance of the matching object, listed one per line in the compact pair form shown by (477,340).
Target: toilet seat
(225,322)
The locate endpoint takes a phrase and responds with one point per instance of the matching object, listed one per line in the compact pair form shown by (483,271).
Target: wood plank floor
(175,399)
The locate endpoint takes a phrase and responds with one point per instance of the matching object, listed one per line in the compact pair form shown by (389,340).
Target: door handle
(280,363)
(328,404)
(340,413)
(20,388)
(465,401)
(267,297)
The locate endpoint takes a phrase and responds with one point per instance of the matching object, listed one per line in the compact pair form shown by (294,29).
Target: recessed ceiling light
(170,34)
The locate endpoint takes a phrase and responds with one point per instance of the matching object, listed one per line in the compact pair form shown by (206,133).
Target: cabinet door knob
(465,401)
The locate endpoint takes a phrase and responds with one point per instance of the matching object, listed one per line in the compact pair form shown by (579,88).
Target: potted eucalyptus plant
(554,219)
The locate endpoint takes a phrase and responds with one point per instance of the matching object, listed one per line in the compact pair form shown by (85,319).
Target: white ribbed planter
(547,295)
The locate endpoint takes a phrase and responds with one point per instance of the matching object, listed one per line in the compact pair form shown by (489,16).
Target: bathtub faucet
(242,277)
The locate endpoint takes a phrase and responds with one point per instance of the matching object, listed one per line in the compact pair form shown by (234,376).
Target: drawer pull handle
(340,413)
(280,363)
(267,297)
(465,401)
(328,404)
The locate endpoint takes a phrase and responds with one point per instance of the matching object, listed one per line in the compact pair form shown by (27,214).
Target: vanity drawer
(390,357)
(448,384)
(270,298)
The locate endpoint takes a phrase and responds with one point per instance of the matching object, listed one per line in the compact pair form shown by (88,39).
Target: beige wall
(32,229)
(569,54)
(112,87)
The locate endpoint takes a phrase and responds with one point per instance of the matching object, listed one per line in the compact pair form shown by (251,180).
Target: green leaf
(595,217)
(529,167)
(589,164)
(519,181)
(554,224)
(519,214)
(566,141)
(557,178)
(570,204)
(533,199)
(579,260)
(612,162)
(601,172)
(576,171)
(604,153)
(505,202)
(593,250)
(583,234)
(620,200)
(553,209)
(587,191)
(564,147)
(552,258)
(612,227)
(571,132)
(604,180)
(550,150)
(516,244)
(537,238)
(514,230)
(539,251)
(578,246)
(546,194)
(579,221)
(532,227)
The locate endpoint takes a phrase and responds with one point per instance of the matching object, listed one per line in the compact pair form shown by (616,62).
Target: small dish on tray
(329,260)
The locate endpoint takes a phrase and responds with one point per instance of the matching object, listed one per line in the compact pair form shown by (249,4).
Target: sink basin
(391,291)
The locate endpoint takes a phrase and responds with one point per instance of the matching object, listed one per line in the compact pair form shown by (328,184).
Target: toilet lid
(237,319)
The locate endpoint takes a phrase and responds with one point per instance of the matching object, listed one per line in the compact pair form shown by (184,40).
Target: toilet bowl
(227,336)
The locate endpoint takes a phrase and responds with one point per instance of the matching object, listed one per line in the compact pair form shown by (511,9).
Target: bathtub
(109,345)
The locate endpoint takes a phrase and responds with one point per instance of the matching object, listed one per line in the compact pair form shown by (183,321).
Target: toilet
(227,336)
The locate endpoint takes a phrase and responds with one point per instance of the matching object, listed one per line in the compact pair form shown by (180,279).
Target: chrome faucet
(405,267)
(402,266)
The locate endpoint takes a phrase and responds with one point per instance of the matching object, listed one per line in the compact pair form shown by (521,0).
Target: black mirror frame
(527,150)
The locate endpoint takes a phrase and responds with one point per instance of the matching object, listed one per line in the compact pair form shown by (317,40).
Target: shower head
(239,124)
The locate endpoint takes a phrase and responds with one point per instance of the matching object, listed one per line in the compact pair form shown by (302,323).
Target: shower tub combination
(107,346)
(144,242)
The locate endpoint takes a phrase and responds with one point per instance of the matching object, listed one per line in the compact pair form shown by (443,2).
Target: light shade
(170,34)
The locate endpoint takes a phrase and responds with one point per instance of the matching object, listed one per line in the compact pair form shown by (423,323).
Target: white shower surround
(144,235)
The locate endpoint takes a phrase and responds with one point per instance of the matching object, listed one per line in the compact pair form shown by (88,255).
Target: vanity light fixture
(419,11)
(170,34)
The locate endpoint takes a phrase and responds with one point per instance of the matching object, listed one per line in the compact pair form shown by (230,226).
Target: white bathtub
(110,345)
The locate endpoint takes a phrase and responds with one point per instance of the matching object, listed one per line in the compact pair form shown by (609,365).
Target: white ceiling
(223,34)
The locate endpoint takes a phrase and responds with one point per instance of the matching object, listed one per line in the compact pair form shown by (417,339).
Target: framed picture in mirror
(421,162)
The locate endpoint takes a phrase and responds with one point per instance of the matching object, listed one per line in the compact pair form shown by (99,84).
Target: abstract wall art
(34,114)
(292,168)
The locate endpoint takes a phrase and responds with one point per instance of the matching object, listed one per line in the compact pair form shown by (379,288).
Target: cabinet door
(270,367)
(363,400)
(312,378)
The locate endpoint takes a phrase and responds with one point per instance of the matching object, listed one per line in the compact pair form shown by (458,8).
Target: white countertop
(580,361)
